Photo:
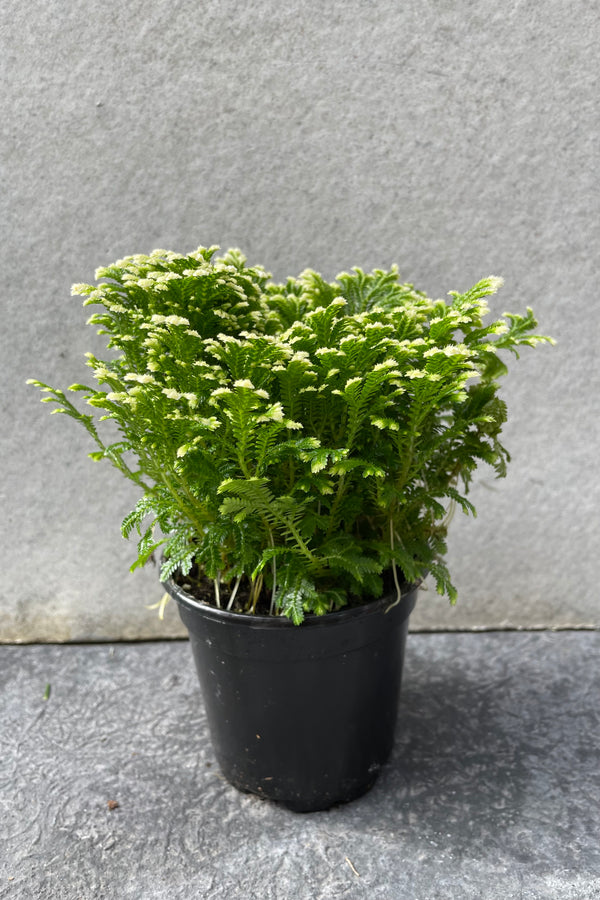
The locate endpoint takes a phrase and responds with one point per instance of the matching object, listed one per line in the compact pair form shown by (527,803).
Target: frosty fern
(295,442)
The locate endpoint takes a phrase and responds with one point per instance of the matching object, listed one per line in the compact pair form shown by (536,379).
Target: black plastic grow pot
(304,715)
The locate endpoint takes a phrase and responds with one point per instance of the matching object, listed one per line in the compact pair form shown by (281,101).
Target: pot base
(300,803)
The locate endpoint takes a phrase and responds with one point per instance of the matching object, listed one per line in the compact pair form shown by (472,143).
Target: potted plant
(299,450)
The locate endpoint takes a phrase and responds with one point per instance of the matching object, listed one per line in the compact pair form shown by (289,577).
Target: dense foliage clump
(294,443)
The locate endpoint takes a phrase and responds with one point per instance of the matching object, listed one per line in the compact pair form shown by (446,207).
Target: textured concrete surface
(492,791)
(457,139)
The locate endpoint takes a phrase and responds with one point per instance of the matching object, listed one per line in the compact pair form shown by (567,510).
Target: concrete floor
(492,791)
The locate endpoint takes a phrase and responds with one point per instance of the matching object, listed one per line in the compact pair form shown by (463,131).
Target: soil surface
(203,590)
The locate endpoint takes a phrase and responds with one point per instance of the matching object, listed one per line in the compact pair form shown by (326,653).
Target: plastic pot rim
(311,620)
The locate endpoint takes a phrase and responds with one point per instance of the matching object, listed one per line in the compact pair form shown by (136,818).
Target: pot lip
(223,615)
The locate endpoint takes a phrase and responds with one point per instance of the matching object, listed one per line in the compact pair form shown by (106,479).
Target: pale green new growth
(295,442)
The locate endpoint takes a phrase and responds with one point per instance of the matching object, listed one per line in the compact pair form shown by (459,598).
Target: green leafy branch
(301,445)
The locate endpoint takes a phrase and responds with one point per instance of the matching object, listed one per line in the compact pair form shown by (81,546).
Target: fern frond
(301,438)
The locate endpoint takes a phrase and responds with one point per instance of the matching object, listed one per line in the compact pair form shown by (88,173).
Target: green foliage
(307,440)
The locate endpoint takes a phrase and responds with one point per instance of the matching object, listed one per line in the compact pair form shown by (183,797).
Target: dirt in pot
(203,590)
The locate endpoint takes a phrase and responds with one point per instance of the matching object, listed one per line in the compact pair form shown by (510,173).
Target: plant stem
(234,592)
(256,589)
(394,570)
(274,562)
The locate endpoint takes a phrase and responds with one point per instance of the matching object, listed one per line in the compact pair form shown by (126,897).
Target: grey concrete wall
(456,139)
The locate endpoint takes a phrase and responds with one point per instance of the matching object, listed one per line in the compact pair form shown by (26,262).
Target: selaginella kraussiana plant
(298,445)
